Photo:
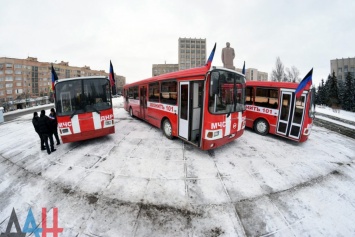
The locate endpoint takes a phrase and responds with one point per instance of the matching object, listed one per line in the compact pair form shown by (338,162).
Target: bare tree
(278,73)
(292,75)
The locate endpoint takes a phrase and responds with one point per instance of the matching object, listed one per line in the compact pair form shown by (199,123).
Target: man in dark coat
(35,125)
(54,125)
(44,125)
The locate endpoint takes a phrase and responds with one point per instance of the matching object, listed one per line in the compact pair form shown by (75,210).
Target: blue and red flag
(54,77)
(112,75)
(307,81)
(210,58)
(243,70)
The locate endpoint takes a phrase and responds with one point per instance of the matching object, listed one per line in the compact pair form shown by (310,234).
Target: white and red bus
(272,107)
(84,108)
(203,106)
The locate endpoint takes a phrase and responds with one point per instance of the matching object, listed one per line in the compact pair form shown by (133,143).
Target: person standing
(44,125)
(35,125)
(54,125)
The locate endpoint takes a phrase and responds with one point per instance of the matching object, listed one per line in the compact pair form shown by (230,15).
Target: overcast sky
(136,34)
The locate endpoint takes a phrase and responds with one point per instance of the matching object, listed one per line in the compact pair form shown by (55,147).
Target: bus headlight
(64,131)
(209,134)
(213,134)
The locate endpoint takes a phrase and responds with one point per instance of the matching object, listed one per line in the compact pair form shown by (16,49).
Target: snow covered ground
(138,183)
(340,114)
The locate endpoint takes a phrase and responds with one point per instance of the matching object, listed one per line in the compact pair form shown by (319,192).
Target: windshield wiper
(230,108)
(74,113)
(95,109)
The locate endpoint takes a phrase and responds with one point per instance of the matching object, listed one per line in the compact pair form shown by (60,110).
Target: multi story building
(192,53)
(253,74)
(24,82)
(164,68)
(341,67)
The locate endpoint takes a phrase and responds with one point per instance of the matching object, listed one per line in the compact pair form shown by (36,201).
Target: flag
(210,58)
(307,81)
(112,79)
(112,75)
(243,71)
(54,77)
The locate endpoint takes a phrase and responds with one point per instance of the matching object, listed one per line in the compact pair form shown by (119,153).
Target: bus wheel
(167,129)
(130,112)
(261,127)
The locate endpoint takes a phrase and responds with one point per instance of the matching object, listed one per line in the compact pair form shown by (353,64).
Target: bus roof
(81,78)
(289,85)
(199,71)
(192,72)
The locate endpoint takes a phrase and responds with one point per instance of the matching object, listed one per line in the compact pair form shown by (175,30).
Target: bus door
(184,98)
(143,101)
(196,111)
(298,117)
(291,114)
(284,112)
(190,112)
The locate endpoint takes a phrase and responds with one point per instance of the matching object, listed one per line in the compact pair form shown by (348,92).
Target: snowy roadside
(342,114)
(336,122)
(39,108)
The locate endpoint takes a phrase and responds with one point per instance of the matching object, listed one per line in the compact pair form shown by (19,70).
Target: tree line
(337,93)
(280,73)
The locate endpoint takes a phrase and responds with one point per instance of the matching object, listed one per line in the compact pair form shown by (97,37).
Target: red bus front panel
(222,129)
(86,125)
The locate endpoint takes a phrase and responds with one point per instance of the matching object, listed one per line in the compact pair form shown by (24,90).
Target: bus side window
(249,96)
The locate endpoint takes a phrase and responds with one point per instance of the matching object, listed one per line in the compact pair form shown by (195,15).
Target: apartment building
(253,74)
(341,67)
(25,82)
(192,53)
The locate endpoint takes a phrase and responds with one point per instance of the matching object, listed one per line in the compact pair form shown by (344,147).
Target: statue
(228,56)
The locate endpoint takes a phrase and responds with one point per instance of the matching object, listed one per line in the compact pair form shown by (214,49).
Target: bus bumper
(87,135)
(212,144)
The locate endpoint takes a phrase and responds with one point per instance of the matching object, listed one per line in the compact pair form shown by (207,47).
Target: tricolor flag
(112,75)
(54,77)
(210,58)
(243,71)
(112,79)
(307,81)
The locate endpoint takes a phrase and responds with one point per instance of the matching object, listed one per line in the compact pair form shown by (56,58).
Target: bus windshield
(80,96)
(226,92)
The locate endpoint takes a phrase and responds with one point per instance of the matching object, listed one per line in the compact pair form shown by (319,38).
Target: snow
(335,121)
(136,182)
(38,107)
(341,114)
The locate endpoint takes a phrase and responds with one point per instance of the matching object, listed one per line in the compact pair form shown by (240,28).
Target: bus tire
(261,126)
(131,112)
(167,129)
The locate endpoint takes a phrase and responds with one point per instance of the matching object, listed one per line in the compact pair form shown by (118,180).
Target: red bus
(84,108)
(272,107)
(203,106)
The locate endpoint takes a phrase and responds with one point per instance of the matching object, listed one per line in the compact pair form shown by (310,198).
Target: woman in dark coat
(36,126)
